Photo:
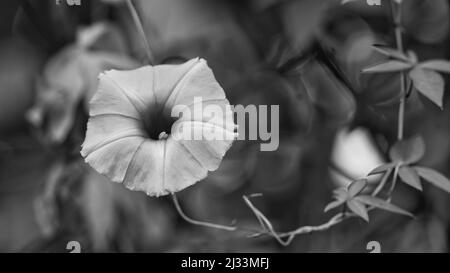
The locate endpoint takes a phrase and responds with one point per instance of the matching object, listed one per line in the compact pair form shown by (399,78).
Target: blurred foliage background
(304,55)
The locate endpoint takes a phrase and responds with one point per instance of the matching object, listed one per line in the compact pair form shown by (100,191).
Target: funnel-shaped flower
(133,139)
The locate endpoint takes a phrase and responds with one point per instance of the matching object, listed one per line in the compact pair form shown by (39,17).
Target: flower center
(158,126)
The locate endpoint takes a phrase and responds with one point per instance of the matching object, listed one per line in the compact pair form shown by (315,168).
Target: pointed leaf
(391,52)
(333,205)
(340,194)
(356,187)
(429,83)
(437,65)
(389,66)
(408,150)
(358,208)
(410,177)
(412,56)
(381,204)
(383,168)
(434,177)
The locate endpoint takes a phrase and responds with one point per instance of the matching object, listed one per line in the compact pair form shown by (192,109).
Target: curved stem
(269,230)
(141,31)
(308,229)
(198,223)
(265,223)
(267,227)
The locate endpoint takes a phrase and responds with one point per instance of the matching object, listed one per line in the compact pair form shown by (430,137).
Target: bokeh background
(304,55)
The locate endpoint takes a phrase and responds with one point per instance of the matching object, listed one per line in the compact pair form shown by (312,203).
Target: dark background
(333,126)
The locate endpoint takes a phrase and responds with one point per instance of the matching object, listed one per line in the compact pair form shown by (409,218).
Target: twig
(141,31)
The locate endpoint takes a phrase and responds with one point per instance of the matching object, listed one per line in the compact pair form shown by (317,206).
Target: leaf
(70,78)
(383,168)
(358,208)
(412,56)
(434,177)
(408,151)
(333,205)
(389,66)
(428,83)
(381,204)
(356,187)
(391,52)
(340,194)
(437,65)
(410,177)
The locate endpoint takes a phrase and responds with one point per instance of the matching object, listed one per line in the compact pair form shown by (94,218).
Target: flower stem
(382,182)
(195,222)
(141,31)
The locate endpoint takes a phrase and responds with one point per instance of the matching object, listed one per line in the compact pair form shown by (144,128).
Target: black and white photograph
(245,128)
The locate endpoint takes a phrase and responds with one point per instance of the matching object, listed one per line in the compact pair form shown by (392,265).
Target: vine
(356,200)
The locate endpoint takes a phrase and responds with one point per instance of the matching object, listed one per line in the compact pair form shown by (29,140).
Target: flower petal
(135,86)
(148,87)
(182,169)
(117,143)
(113,159)
(106,129)
(210,149)
(112,99)
(145,171)
(198,82)
(169,77)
